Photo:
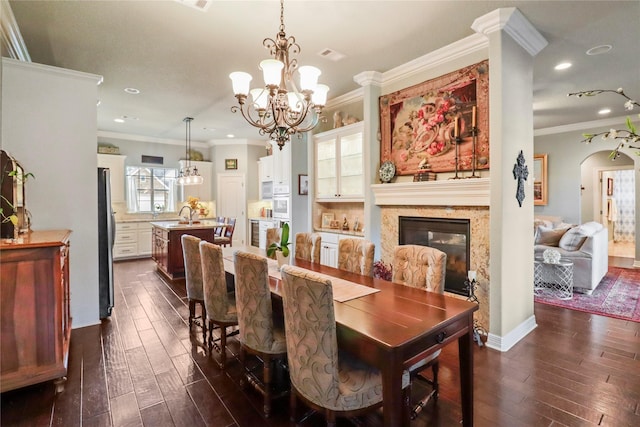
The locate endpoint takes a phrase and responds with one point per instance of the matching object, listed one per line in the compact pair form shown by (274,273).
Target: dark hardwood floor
(142,367)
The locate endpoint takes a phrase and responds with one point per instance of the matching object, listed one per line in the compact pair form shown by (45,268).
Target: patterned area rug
(618,295)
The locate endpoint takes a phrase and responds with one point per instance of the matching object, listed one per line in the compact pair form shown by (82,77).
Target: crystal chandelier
(188,175)
(280,109)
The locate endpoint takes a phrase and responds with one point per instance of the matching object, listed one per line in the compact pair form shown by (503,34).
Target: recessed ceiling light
(562,66)
(597,50)
(131,90)
(230,135)
(604,111)
(118,120)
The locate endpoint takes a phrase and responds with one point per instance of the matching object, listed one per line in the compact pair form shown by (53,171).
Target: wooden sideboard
(34,309)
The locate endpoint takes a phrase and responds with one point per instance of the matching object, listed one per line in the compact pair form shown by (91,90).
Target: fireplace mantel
(450,192)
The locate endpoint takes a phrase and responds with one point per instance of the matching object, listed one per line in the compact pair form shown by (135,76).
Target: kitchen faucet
(190,214)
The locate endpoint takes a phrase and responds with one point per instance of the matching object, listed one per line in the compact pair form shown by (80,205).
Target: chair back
(420,267)
(192,266)
(218,230)
(308,246)
(253,301)
(310,330)
(231,225)
(356,256)
(216,299)
(273,236)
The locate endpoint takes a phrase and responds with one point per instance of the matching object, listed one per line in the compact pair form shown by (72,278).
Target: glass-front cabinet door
(339,164)
(326,172)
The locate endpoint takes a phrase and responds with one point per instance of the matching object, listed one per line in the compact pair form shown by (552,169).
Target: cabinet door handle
(440,337)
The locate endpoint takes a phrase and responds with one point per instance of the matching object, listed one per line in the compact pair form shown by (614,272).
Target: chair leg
(436,388)
(192,312)
(203,310)
(210,344)
(267,384)
(293,405)
(331,418)
(243,366)
(406,401)
(223,347)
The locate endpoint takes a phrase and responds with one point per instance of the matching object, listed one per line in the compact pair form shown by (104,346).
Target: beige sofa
(586,245)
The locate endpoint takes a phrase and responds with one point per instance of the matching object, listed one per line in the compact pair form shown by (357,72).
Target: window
(151,189)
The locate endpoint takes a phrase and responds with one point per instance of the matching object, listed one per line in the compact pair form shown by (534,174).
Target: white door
(231,202)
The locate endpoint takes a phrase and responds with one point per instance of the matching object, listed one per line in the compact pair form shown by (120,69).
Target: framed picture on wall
(540,179)
(231,164)
(303,185)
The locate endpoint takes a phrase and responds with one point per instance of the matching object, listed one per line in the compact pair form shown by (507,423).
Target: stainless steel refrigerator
(106,234)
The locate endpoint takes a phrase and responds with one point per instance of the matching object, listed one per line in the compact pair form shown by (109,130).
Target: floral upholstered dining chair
(193,280)
(260,333)
(356,256)
(421,267)
(308,246)
(220,304)
(332,382)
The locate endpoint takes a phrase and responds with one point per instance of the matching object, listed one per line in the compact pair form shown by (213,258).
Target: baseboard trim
(505,343)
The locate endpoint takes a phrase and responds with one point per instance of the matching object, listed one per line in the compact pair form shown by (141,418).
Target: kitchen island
(167,244)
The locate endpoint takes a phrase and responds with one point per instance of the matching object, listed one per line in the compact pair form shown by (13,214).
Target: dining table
(390,326)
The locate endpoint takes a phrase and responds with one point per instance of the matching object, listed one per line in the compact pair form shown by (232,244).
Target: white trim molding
(505,343)
(10,32)
(460,192)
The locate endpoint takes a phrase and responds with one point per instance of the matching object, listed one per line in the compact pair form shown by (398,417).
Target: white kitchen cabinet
(339,164)
(265,168)
(145,239)
(201,191)
(329,247)
(133,240)
(115,163)
(262,232)
(282,169)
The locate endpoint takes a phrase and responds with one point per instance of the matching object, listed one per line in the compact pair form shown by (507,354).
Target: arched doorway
(608,197)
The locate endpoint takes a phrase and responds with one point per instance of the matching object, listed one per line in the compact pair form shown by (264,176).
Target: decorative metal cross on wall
(520,172)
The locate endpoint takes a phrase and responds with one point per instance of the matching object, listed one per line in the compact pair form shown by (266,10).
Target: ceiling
(180,57)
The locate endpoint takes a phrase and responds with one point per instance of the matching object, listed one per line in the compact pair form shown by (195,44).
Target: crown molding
(446,54)
(8,62)
(611,121)
(10,34)
(514,23)
(108,136)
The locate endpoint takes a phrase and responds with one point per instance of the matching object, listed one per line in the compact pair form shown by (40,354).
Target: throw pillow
(573,239)
(549,236)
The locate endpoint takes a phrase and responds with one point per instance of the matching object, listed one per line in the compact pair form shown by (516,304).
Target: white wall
(49,126)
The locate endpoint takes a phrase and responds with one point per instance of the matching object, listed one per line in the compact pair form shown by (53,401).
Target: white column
(513,42)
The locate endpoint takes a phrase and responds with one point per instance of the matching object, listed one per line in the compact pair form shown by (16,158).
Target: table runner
(343,290)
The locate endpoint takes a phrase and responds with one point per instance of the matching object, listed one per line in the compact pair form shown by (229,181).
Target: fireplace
(451,236)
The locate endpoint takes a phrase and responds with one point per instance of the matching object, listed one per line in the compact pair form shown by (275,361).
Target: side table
(554,280)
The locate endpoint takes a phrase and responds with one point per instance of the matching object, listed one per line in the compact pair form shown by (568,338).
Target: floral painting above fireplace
(419,124)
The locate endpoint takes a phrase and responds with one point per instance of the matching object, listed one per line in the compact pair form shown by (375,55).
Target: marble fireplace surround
(464,198)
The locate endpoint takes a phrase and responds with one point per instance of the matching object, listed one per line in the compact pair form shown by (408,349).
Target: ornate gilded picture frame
(419,124)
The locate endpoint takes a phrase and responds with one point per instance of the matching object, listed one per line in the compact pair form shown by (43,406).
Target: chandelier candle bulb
(240,81)
(455,127)
(272,71)
(260,98)
(473,117)
(319,97)
(472,275)
(308,77)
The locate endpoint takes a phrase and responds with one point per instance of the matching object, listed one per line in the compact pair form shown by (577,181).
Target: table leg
(392,393)
(465,351)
